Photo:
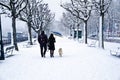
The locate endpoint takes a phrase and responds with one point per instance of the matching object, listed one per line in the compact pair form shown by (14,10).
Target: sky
(54,6)
(79,62)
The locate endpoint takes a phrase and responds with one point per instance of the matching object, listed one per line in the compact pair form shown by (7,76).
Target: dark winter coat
(51,42)
(42,39)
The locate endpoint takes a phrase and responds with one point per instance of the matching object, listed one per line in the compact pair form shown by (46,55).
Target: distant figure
(51,45)
(42,39)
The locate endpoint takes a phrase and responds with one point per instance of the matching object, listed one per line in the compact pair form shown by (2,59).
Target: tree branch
(5,5)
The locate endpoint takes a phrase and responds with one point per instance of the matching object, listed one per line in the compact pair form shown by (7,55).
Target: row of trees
(81,11)
(35,13)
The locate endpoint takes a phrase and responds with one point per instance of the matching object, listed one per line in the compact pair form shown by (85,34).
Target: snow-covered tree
(13,9)
(27,14)
(101,7)
(81,9)
(67,22)
(70,22)
(37,15)
(114,16)
(93,25)
(41,17)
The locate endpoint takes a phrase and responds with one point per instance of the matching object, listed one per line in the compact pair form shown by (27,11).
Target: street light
(2,57)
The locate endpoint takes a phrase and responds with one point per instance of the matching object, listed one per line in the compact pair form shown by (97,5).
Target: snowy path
(79,62)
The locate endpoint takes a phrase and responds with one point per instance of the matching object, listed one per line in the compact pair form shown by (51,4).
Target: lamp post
(2,57)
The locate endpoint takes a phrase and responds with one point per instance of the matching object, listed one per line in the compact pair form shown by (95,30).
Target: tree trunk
(101,38)
(85,32)
(14,33)
(29,33)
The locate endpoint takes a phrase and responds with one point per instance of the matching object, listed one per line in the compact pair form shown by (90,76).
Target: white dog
(60,52)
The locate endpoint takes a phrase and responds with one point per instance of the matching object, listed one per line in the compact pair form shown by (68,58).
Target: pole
(2,57)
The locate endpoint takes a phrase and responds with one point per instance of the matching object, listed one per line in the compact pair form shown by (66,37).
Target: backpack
(43,39)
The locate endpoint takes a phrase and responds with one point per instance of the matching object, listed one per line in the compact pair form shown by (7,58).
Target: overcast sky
(54,6)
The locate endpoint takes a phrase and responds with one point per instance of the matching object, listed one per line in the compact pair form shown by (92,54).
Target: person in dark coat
(42,39)
(51,45)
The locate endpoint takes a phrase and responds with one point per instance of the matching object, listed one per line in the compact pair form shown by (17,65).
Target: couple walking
(44,42)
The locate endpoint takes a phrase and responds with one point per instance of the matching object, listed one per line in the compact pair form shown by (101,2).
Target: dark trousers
(51,53)
(43,49)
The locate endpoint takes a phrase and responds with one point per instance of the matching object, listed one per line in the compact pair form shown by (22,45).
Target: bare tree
(37,15)
(70,22)
(27,14)
(14,7)
(102,7)
(49,17)
(93,24)
(81,9)
(66,20)
(41,18)
(114,17)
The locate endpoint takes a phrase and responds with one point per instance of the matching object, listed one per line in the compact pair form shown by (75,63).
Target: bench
(9,51)
(92,44)
(115,52)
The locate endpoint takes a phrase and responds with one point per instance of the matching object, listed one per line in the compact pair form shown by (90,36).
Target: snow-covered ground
(79,62)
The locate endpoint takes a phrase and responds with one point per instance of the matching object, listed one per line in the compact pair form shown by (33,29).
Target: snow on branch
(101,5)
(21,6)
(106,6)
(79,8)
(6,6)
